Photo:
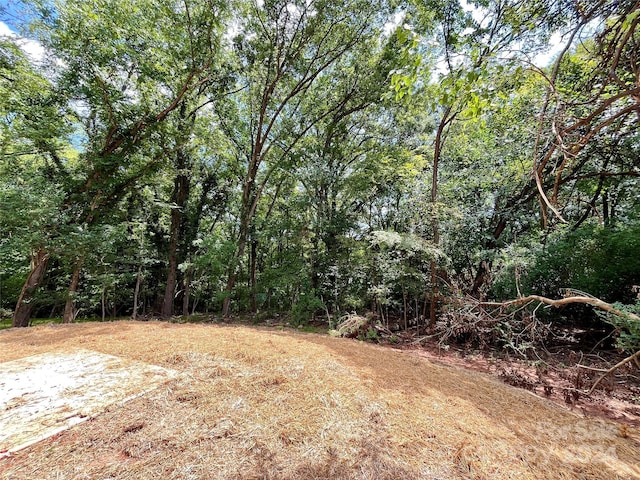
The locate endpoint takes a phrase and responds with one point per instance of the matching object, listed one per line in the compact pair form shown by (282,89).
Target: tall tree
(287,48)
(584,119)
(478,42)
(125,68)
(34,129)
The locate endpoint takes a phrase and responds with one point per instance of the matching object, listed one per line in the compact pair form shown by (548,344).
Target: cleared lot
(254,403)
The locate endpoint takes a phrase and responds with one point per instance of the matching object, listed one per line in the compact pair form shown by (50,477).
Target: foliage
(599,260)
(628,329)
(306,307)
(317,158)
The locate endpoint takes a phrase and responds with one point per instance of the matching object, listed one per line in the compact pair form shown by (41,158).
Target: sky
(32,48)
(12,16)
(12,13)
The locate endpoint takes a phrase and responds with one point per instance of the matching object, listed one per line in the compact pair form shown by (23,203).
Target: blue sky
(13,17)
(12,13)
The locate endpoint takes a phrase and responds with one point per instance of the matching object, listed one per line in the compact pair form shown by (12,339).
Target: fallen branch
(382,329)
(591,368)
(584,299)
(635,356)
(596,302)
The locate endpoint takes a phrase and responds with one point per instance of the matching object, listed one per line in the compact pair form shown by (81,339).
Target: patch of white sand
(43,395)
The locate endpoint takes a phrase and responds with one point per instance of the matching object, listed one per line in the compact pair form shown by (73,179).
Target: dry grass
(254,403)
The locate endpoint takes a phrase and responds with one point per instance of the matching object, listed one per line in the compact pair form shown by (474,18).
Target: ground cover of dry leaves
(257,403)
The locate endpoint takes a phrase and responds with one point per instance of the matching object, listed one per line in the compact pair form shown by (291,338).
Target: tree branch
(596,302)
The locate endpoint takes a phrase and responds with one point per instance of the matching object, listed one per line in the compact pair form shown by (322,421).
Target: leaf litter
(255,403)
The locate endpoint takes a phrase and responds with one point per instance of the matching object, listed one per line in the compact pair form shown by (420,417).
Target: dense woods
(415,161)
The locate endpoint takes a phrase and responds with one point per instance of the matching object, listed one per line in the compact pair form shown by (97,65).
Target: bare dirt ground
(255,403)
(560,377)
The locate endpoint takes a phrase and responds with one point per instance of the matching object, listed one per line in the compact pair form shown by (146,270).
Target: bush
(628,328)
(305,308)
(602,261)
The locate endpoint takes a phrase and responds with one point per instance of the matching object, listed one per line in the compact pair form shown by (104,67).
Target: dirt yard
(255,403)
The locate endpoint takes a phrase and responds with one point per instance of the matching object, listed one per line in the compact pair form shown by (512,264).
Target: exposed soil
(258,403)
(563,377)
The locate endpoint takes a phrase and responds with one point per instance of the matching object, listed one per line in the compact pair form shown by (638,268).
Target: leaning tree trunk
(22,315)
(69,307)
(447,118)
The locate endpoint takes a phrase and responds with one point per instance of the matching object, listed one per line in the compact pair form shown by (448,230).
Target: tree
(315,156)
(35,122)
(196,185)
(583,139)
(126,69)
(289,48)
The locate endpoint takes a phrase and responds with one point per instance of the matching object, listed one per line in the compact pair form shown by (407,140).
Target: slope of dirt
(251,403)
(560,377)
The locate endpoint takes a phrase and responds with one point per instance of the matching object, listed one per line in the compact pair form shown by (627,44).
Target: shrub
(628,328)
(602,261)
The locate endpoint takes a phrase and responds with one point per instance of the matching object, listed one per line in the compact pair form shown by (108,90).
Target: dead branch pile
(467,320)
(351,326)
(573,296)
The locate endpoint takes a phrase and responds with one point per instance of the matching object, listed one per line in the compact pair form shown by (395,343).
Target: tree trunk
(179,198)
(404,308)
(484,268)
(24,306)
(69,307)
(233,275)
(433,307)
(252,274)
(185,297)
(605,208)
(172,277)
(245,224)
(226,303)
(103,303)
(136,293)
